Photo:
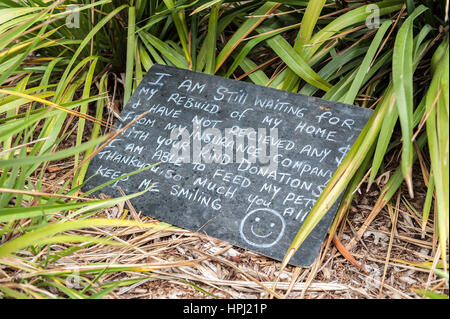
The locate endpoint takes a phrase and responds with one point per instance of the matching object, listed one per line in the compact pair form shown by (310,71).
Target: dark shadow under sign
(239,162)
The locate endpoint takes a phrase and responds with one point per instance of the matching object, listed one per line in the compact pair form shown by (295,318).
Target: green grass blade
(51,229)
(296,63)
(52,156)
(180,24)
(245,29)
(130,52)
(340,179)
(86,40)
(402,73)
(366,64)
(12,293)
(210,42)
(307,27)
(82,121)
(438,141)
(346,20)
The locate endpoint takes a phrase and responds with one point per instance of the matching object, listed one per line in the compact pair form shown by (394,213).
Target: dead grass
(176,263)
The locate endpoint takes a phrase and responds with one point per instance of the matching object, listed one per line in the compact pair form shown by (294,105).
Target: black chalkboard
(244,163)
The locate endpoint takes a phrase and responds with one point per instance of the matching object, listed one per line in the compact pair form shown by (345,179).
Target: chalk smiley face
(262,227)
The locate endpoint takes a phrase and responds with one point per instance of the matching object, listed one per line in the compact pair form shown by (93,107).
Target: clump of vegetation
(67,67)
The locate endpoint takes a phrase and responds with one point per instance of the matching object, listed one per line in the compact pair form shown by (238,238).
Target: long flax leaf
(296,62)
(131,38)
(402,73)
(366,64)
(211,38)
(83,44)
(307,27)
(438,142)
(180,24)
(340,179)
(245,29)
(346,20)
(83,110)
(392,116)
(96,128)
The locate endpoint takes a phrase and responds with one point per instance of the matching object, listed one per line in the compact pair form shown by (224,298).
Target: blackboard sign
(240,162)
